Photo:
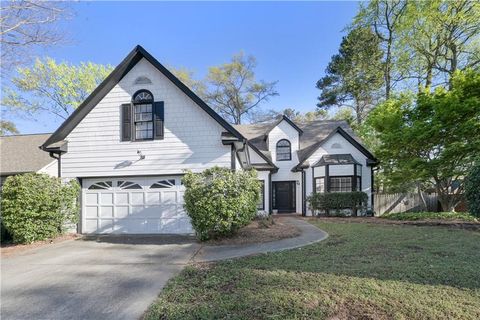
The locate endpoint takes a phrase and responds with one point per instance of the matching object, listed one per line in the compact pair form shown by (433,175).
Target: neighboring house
(132,139)
(21,154)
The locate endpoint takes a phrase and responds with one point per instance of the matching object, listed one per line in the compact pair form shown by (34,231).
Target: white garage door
(134,205)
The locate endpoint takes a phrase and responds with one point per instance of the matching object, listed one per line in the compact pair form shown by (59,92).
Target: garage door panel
(153,198)
(91,225)
(105,225)
(106,198)
(106,212)
(91,212)
(169,197)
(91,198)
(180,197)
(121,211)
(134,205)
(172,212)
(154,226)
(152,212)
(175,225)
(136,211)
(136,198)
(121,198)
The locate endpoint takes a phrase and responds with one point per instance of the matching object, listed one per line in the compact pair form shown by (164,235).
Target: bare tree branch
(26,25)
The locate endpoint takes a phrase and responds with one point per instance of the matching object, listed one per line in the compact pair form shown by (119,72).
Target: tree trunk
(388,61)
(429,76)
(453,64)
(422,198)
(447,201)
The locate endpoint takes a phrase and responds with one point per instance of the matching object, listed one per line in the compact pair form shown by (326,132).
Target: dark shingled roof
(21,153)
(336,159)
(313,135)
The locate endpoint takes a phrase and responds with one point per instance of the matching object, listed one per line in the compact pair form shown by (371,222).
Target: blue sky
(292,41)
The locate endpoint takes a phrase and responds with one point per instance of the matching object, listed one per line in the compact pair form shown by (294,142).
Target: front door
(284,196)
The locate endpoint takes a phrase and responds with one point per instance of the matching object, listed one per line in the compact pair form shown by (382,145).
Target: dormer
(283,139)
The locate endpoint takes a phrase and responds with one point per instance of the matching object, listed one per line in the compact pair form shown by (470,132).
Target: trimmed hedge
(337,201)
(413,216)
(38,207)
(472,190)
(220,201)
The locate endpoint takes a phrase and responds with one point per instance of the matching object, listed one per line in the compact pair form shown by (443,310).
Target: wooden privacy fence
(403,202)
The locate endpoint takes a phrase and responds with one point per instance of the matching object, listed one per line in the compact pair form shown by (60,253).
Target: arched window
(143,115)
(284,150)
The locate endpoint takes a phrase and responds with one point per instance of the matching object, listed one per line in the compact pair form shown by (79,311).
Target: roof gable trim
(290,122)
(344,134)
(112,79)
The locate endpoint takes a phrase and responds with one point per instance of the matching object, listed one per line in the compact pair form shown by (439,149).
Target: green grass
(413,216)
(366,271)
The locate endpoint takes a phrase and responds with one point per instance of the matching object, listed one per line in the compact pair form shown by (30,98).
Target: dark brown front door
(284,196)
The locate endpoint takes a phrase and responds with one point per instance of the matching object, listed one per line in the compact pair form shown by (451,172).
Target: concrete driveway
(106,278)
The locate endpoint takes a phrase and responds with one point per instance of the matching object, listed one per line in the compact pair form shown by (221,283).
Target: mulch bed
(253,233)
(456,224)
(10,249)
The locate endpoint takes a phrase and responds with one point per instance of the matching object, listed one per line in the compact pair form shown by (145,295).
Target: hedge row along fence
(38,207)
(472,190)
(220,201)
(335,203)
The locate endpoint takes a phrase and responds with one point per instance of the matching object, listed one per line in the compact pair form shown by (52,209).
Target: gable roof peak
(109,83)
(290,122)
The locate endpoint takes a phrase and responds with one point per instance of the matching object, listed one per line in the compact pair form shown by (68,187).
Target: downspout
(354,185)
(372,189)
(233,155)
(59,164)
(304,193)
(270,193)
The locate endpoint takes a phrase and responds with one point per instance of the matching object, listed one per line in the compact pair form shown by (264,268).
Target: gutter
(56,153)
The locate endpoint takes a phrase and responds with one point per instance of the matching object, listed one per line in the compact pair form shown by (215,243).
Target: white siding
(238,165)
(263,175)
(192,138)
(255,157)
(340,146)
(51,169)
(341,170)
(285,131)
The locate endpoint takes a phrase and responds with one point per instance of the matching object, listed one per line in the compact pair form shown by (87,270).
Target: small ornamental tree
(472,190)
(38,207)
(220,201)
(432,138)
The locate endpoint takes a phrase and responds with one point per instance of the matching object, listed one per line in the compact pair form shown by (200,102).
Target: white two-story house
(131,140)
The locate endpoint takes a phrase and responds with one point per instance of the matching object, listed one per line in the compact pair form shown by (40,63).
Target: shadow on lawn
(422,255)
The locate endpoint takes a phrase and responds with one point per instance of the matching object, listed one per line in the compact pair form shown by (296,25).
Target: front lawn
(414,216)
(367,271)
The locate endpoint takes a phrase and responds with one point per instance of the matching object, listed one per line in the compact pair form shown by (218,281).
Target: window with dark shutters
(159,117)
(143,118)
(126,122)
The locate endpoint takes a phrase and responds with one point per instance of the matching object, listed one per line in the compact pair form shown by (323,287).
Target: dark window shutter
(126,122)
(158,118)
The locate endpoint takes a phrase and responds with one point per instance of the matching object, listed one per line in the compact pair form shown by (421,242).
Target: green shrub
(37,206)
(265,222)
(472,190)
(220,201)
(4,235)
(413,216)
(337,201)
